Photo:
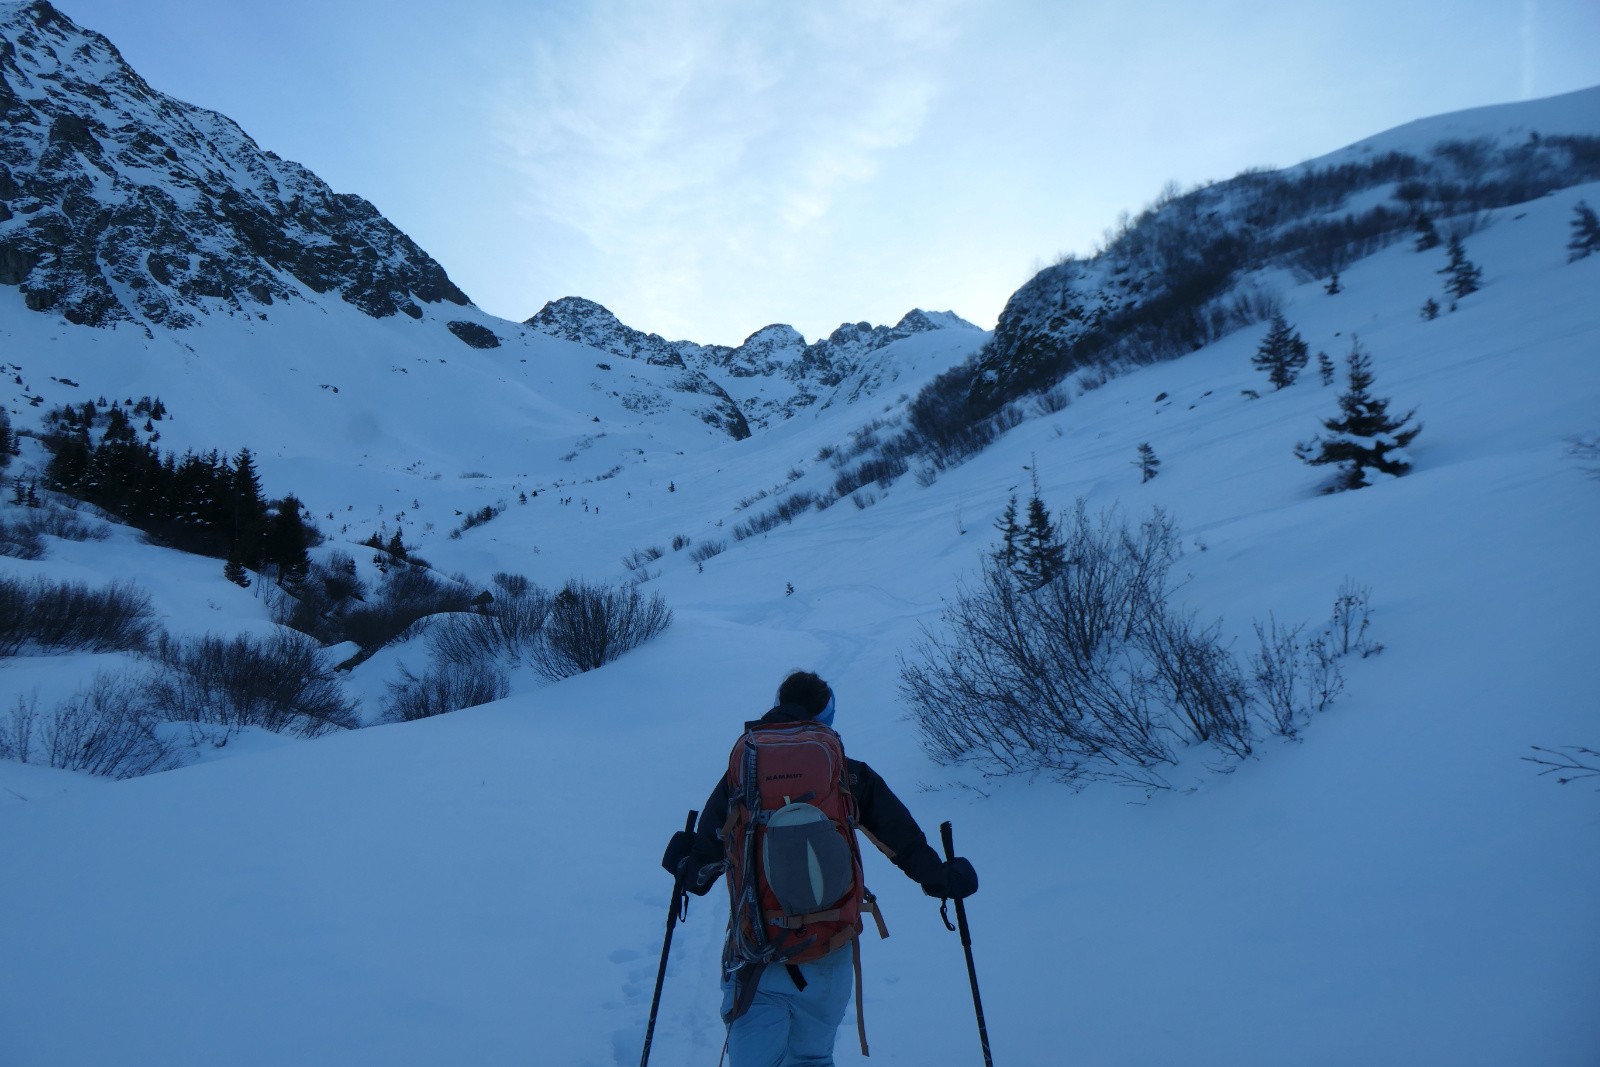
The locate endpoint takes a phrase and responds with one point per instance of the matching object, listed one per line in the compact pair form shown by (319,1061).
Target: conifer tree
(1010,536)
(7,442)
(247,508)
(283,542)
(1147,463)
(1282,353)
(1043,555)
(1427,236)
(1430,309)
(1333,288)
(1325,368)
(235,572)
(1462,276)
(1363,437)
(1585,232)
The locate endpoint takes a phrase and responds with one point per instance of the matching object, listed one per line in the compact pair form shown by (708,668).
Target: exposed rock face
(572,318)
(119,203)
(472,334)
(771,375)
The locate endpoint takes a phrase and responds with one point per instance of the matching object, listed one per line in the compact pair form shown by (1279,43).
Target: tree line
(209,504)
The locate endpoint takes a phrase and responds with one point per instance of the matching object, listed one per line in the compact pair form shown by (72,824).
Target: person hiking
(786,977)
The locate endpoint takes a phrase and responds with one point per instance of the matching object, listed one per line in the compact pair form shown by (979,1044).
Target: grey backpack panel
(806,859)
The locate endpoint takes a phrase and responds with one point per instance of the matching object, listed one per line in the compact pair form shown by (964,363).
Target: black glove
(954,880)
(677,852)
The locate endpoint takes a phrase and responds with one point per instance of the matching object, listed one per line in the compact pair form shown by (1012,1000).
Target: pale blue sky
(707,167)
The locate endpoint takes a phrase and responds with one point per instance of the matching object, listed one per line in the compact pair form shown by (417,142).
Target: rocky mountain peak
(119,203)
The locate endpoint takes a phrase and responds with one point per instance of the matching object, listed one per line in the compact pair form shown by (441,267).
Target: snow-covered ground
(1399,887)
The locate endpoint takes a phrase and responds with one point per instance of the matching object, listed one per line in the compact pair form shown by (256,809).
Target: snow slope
(1398,888)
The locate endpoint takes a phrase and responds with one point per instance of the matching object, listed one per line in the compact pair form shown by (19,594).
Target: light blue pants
(789,1027)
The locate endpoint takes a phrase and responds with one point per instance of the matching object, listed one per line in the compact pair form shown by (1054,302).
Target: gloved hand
(955,879)
(678,850)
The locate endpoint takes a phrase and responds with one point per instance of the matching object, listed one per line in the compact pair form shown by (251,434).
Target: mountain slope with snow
(1398,887)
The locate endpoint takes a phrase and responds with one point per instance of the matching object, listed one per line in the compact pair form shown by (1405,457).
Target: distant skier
(790,792)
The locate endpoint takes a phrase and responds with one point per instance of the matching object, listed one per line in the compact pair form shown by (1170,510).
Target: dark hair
(805,690)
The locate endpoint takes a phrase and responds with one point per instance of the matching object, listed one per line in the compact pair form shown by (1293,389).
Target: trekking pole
(948,836)
(678,913)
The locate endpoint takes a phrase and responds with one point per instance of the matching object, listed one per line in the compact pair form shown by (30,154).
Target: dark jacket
(881,814)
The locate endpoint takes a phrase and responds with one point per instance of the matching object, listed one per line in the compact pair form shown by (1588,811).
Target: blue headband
(825,716)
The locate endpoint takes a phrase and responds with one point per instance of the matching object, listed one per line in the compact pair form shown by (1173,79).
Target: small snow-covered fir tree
(1585,232)
(1325,368)
(1363,437)
(1333,288)
(1462,276)
(1282,353)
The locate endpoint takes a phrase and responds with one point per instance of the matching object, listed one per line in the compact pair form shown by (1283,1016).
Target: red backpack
(794,866)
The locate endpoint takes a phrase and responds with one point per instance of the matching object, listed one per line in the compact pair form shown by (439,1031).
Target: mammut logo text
(780,777)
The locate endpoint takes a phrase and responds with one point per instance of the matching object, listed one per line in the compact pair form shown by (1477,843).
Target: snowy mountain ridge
(773,373)
(1197,265)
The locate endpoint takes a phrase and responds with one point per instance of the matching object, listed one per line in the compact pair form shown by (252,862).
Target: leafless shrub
(785,511)
(71,617)
(512,584)
(680,542)
(881,470)
(21,540)
(591,625)
(106,729)
(639,557)
(406,596)
(1198,680)
(281,683)
(508,628)
(706,549)
(1276,670)
(68,525)
(1052,401)
(16,729)
(1352,618)
(444,688)
(1088,676)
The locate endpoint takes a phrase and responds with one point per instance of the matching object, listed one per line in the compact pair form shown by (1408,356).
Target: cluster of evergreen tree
(1031,552)
(207,504)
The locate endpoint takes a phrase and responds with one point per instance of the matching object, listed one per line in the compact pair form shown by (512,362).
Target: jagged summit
(771,374)
(119,203)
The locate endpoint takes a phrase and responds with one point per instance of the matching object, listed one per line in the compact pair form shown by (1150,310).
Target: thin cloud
(691,142)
